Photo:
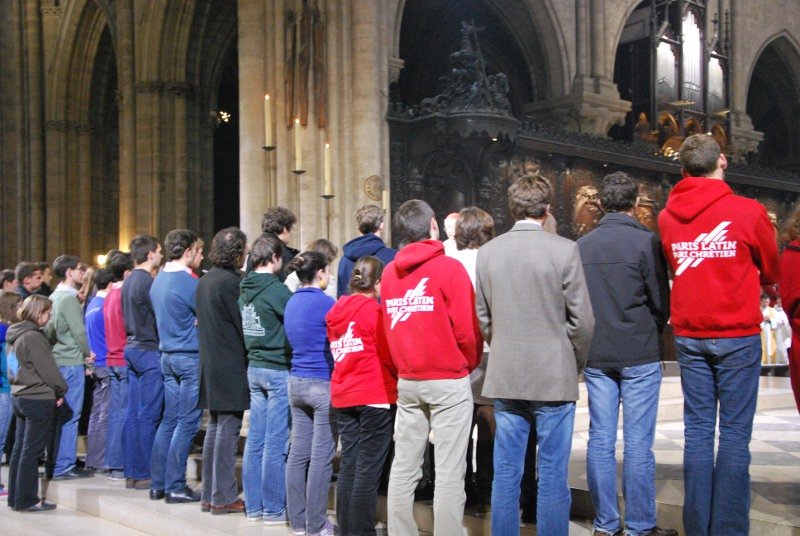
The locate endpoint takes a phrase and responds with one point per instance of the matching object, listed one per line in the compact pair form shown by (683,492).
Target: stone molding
(395,66)
(593,108)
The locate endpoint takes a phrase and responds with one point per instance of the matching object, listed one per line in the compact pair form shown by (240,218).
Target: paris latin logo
(346,344)
(414,301)
(711,245)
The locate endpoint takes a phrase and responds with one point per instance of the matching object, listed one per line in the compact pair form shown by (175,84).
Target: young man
(101,395)
(67,333)
(369,219)
(223,370)
(145,379)
(47,276)
(721,248)
(428,297)
(173,297)
(120,265)
(535,312)
(627,277)
(29,277)
(278,222)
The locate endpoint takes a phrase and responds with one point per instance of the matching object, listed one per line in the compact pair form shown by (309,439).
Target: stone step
(63,521)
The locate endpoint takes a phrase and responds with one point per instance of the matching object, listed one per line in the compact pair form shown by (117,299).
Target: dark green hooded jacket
(262,303)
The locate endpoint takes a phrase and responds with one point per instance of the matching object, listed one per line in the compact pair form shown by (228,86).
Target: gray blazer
(534,310)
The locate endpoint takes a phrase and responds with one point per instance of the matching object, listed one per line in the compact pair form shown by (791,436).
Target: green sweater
(262,303)
(66,331)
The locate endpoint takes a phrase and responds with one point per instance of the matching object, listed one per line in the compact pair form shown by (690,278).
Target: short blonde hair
(33,307)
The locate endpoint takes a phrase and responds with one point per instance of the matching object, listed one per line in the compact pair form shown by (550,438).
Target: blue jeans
(553,422)
(97,435)
(637,389)
(68,445)
(6,412)
(180,422)
(310,463)
(718,373)
(145,403)
(267,445)
(115,455)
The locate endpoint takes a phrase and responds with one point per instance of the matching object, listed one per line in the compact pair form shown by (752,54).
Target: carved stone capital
(395,66)
(153,86)
(57,125)
(180,89)
(745,139)
(593,107)
(51,10)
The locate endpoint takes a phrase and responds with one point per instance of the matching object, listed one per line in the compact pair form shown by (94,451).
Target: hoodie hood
(255,283)
(346,309)
(368,244)
(16,330)
(413,255)
(692,195)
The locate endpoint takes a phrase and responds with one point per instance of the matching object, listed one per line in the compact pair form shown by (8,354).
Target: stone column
(127,122)
(81,212)
(254,188)
(34,98)
(366,109)
(179,94)
(745,139)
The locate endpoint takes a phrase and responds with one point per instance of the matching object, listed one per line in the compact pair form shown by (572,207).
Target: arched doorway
(773,104)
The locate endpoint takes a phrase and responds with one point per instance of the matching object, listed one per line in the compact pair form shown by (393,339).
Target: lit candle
(386,200)
(267,121)
(298,146)
(327,167)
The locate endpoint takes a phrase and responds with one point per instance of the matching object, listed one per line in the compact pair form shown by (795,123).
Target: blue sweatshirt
(173,297)
(96,330)
(304,321)
(5,385)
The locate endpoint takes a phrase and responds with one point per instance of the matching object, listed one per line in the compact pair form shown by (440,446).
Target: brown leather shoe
(236,507)
(205,506)
(130,483)
(142,484)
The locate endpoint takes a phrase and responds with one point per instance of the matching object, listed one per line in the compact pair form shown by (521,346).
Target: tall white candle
(298,146)
(386,200)
(267,121)
(327,168)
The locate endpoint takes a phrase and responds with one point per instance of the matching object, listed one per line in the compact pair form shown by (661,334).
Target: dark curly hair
(618,192)
(177,241)
(276,219)
(227,248)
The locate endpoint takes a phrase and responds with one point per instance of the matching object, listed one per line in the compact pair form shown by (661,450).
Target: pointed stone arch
(773,101)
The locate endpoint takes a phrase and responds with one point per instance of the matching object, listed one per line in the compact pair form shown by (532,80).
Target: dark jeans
(34,432)
(118,388)
(98,419)
(219,457)
(145,403)
(365,433)
(180,423)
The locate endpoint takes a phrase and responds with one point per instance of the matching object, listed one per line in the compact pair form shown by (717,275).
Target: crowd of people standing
(403,348)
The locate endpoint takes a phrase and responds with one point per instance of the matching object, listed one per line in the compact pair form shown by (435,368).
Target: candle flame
(266,97)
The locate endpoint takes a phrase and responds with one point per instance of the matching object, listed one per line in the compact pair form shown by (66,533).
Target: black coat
(627,277)
(223,358)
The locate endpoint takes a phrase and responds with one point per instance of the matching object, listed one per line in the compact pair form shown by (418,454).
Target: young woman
(330,251)
(474,228)
(38,388)
(9,303)
(308,469)
(262,303)
(363,388)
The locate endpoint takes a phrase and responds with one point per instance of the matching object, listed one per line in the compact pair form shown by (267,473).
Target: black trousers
(34,419)
(365,433)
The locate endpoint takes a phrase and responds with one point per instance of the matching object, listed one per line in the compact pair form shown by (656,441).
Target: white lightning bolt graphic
(419,290)
(717,234)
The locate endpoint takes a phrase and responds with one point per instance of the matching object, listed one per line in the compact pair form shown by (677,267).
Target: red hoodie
(115,326)
(429,314)
(363,372)
(721,248)
(790,300)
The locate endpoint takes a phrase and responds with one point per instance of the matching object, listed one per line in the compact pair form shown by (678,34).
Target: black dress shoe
(184,495)
(75,472)
(157,494)
(39,507)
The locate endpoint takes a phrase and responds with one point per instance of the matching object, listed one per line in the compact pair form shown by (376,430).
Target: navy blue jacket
(368,244)
(626,273)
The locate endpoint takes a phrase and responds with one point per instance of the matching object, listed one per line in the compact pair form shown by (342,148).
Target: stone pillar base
(745,139)
(593,107)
